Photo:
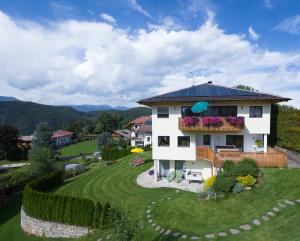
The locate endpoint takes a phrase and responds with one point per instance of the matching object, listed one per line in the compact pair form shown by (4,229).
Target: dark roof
(211,92)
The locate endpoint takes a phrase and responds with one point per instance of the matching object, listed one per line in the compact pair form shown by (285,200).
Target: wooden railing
(225,127)
(272,158)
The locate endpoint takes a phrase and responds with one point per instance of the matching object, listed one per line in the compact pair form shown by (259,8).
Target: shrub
(147,147)
(124,228)
(237,188)
(58,208)
(114,153)
(246,181)
(223,183)
(246,167)
(228,167)
(97,215)
(209,182)
(3,198)
(203,195)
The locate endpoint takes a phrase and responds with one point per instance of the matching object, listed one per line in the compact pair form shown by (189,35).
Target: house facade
(237,122)
(140,131)
(62,138)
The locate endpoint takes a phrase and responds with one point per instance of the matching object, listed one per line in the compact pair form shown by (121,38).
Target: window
(148,138)
(136,126)
(136,135)
(163,141)
(255,111)
(186,111)
(223,111)
(162,112)
(235,141)
(206,140)
(183,141)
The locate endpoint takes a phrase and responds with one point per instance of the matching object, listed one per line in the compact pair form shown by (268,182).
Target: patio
(146,180)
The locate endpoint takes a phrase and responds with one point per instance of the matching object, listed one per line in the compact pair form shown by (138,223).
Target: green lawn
(184,212)
(80,147)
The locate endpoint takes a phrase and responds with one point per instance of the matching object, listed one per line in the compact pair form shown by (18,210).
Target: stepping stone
(148,211)
(150,220)
(161,231)
(256,222)
(281,205)
(177,190)
(108,236)
(275,209)
(184,236)
(271,214)
(157,228)
(289,202)
(153,224)
(149,207)
(149,216)
(167,232)
(266,218)
(210,236)
(194,238)
(246,227)
(222,234)
(298,201)
(175,234)
(99,239)
(153,202)
(160,200)
(234,231)
(169,198)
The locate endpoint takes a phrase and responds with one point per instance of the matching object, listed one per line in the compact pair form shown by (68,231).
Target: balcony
(211,124)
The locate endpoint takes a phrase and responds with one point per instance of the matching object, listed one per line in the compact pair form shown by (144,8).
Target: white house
(237,122)
(141,131)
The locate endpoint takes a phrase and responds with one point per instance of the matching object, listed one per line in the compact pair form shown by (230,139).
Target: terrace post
(156,170)
(265,143)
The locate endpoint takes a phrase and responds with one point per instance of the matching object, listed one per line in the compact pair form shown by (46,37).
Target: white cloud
(269,4)
(290,25)
(62,9)
(204,7)
(73,62)
(135,6)
(253,35)
(108,18)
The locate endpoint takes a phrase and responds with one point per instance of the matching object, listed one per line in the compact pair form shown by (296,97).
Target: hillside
(8,98)
(26,115)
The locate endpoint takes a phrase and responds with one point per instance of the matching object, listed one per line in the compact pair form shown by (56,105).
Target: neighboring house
(62,138)
(235,125)
(141,131)
(121,134)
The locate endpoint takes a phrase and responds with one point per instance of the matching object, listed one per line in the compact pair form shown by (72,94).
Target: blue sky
(115,52)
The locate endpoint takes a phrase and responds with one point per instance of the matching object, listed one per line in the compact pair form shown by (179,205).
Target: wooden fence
(273,158)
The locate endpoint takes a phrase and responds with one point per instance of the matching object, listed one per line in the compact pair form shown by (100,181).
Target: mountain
(26,115)
(89,108)
(8,98)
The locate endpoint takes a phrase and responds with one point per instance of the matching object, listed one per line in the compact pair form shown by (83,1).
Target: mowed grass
(80,147)
(184,212)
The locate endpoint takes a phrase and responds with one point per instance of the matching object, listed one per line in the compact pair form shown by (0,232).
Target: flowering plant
(189,121)
(212,121)
(237,121)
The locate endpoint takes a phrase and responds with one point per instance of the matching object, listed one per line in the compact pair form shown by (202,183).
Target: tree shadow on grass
(12,208)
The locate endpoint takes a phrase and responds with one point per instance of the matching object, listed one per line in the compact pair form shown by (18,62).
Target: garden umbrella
(199,107)
(137,150)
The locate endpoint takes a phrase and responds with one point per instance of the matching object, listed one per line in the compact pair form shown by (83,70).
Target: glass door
(164,168)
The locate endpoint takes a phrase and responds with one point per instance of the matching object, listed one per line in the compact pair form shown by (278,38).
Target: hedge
(112,154)
(60,208)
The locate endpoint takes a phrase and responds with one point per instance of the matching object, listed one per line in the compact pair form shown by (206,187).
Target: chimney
(209,82)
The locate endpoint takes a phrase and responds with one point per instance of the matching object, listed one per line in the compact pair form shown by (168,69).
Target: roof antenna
(194,78)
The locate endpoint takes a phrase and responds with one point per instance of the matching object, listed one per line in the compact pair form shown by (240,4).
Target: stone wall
(42,228)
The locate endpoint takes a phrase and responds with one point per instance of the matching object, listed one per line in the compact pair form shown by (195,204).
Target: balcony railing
(211,124)
(272,158)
